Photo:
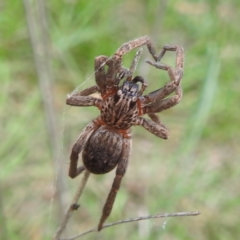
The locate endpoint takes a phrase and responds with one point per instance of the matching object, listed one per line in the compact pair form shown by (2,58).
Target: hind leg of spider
(74,170)
(121,169)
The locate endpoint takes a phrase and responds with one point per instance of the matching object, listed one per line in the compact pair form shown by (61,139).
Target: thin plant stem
(164,215)
(73,206)
(36,18)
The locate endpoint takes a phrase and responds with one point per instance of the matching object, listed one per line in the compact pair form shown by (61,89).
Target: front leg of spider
(157,100)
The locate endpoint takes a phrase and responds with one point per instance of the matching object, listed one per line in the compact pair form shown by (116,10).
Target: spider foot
(100,226)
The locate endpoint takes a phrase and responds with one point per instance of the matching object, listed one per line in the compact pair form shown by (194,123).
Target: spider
(106,142)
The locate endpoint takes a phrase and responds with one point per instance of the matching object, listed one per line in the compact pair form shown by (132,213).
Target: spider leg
(145,40)
(131,71)
(120,171)
(82,98)
(178,49)
(176,73)
(153,127)
(100,74)
(134,64)
(156,119)
(74,171)
(128,73)
(164,91)
(135,43)
(104,79)
(116,60)
(155,100)
(164,104)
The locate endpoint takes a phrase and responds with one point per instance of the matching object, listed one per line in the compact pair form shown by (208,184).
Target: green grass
(195,169)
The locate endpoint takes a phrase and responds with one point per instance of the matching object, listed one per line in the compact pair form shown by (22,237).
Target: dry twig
(177,214)
(73,206)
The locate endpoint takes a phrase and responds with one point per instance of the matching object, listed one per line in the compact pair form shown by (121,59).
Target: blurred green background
(196,169)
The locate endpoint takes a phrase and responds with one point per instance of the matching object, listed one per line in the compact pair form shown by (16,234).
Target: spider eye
(129,89)
(134,99)
(134,89)
(125,87)
(119,92)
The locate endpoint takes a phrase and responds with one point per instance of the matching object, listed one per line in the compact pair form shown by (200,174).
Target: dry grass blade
(36,17)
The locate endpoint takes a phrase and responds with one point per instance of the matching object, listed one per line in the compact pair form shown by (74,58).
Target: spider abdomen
(102,151)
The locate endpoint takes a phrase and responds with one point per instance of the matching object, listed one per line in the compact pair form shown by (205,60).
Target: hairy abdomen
(102,151)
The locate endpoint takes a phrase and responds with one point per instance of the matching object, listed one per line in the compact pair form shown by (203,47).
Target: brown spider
(106,142)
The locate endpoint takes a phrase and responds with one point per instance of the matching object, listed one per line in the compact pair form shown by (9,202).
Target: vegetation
(196,169)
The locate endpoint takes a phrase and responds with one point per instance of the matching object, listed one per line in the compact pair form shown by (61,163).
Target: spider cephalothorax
(106,142)
(120,109)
